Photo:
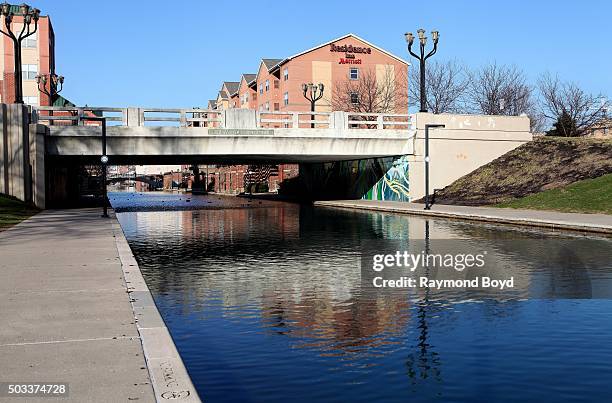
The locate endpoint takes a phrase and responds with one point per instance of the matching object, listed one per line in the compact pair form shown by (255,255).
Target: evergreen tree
(565,126)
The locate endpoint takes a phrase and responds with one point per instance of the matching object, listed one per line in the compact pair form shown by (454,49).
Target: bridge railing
(378,121)
(185,117)
(194,117)
(294,120)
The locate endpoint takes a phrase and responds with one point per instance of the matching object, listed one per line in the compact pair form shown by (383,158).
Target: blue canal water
(266,303)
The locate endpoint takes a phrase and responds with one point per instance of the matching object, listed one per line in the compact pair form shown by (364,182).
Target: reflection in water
(269,304)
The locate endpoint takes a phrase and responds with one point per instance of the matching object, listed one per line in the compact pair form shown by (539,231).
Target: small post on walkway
(427,199)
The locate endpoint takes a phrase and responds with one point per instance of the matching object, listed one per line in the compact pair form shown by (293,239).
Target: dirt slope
(545,163)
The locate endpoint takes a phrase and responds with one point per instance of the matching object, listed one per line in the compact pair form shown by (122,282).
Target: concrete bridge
(341,154)
(148,135)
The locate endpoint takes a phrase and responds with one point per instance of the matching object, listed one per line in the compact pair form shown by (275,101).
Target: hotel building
(340,64)
(37,58)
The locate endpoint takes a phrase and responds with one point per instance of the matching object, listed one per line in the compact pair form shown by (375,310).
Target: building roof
(231,86)
(280,63)
(270,63)
(212,103)
(249,78)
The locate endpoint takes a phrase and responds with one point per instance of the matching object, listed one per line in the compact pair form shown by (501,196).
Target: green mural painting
(394,184)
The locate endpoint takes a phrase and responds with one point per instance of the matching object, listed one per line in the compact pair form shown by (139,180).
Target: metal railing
(194,117)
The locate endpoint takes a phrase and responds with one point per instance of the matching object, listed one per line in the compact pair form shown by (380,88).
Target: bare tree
(570,108)
(371,93)
(498,90)
(445,86)
(502,90)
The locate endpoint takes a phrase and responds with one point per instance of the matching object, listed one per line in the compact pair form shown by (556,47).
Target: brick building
(277,87)
(37,58)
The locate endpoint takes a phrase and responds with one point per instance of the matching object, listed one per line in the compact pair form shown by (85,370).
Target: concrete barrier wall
(15,152)
(466,143)
(20,154)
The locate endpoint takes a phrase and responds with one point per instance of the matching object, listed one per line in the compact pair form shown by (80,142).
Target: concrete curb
(168,374)
(550,224)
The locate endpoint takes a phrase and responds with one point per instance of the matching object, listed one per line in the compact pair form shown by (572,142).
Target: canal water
(267,302)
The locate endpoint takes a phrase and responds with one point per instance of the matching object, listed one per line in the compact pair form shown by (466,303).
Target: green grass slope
(13,211)
(586,196)
(543,164)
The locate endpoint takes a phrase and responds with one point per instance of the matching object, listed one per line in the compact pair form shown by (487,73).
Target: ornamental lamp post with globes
(313,92)
(54,81)
(56,85)
(435,35)
(29,14)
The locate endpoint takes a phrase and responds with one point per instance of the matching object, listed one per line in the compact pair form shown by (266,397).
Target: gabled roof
(339,39)
(270,63)
(212,103)
(231,87)
(223,95)
(249,79)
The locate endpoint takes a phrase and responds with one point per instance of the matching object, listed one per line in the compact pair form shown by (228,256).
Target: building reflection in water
(296,271)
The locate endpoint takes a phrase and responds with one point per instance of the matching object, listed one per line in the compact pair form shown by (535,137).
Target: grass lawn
(13,211)
(586,196)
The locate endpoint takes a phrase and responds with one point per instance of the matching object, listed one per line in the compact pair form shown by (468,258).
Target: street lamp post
(313,92)
(56,85)
(103,160)
(29,14)
(427,200)
(422,58)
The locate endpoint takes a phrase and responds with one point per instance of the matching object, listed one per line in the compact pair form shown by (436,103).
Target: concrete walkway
(600,223)
(67,316)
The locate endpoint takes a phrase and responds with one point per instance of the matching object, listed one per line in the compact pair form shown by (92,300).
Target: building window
(30,100)
(354,73)
(354,98)
(261,88)
(276,106)
(254,96)
(30,41)
(268,106)
(286,74)
(267,85)
(29,71)
(276,84)
(286,98)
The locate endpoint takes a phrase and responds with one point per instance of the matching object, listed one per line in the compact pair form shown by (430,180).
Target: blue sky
(176,54)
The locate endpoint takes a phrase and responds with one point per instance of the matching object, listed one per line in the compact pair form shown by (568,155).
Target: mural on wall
(393,185)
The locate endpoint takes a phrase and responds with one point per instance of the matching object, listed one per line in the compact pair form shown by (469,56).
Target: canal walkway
(67,315)
(599,223)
